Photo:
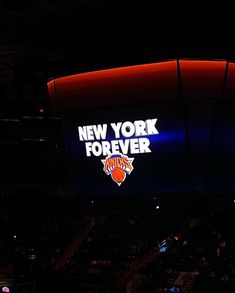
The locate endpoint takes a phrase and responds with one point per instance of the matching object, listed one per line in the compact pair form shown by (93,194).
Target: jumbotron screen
(156,147)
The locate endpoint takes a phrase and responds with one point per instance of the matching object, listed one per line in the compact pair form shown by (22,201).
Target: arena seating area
(119,244)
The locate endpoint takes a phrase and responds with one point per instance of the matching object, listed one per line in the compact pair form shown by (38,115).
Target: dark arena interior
(117,146)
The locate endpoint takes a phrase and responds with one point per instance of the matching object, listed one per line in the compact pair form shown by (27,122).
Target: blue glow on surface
(165,137)
(116,156)
(174,290)
(161,137)
(163,249)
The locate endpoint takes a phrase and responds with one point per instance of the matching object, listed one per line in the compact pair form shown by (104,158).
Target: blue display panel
(160,147)
(221,175)
(200,121)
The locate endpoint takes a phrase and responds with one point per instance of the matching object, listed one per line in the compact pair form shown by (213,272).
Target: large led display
(128,149)
(163,127)
(157,147)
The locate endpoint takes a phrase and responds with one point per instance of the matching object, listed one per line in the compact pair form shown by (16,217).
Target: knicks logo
(118,165)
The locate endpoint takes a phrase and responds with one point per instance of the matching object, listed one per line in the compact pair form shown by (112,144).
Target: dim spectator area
(33,236)
(163,242)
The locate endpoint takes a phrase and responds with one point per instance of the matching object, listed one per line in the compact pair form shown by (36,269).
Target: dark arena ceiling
(42,39)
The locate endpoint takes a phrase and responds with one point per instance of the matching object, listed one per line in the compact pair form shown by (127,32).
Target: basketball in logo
(118,175)
(118,165)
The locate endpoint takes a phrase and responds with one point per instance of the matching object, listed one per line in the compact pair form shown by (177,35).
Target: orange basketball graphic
(118,175)
(118,165)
